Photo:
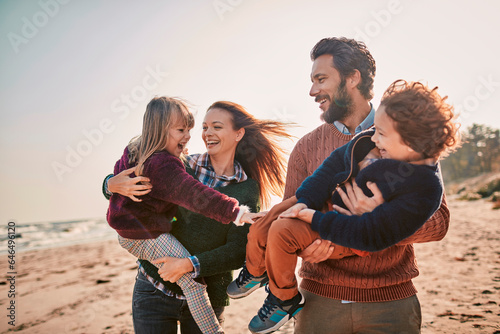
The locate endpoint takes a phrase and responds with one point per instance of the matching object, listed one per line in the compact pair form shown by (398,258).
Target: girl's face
(178,137)
(218,134)
(388,140)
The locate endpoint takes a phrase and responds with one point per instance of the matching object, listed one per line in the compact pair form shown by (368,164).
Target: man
(354,294)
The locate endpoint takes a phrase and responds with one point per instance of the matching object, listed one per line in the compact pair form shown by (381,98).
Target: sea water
(31,236)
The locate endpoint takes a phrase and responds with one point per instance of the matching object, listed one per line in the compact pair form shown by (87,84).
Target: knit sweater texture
(217,246)
(172,186)
(383,276)
(412,193)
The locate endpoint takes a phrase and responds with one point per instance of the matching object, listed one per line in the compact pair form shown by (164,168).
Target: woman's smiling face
(218,132)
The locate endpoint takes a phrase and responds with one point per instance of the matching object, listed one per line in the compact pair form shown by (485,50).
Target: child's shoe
(275,313)
(245,284)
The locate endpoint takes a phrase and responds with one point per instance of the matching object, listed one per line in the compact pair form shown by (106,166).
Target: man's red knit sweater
(382,276)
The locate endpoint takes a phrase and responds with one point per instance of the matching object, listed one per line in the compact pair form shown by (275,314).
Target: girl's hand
(293,211)
(249,217)
(356,201)
(173,268)
(128,186)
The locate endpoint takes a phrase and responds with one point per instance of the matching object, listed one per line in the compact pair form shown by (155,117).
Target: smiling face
(388,140)
(218,133)
(177,138)
(328,89)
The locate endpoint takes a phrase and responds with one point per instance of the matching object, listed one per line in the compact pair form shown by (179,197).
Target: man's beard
(340,105)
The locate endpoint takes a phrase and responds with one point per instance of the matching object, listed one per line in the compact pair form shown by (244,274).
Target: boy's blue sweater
(412,193)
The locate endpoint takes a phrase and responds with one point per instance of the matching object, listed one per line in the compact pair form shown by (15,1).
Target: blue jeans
(153,312)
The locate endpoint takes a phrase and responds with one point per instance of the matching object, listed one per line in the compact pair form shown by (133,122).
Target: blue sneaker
(245,284)
(275,313)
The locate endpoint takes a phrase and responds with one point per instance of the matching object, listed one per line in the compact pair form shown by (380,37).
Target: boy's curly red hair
(424,120)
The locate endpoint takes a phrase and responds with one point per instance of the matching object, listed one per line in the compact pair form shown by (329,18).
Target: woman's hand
(128,186)
(173,268)
(318,251)
(356,201)
(249,217)
(293,211)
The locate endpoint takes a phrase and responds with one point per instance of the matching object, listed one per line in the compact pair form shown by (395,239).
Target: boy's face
(388,140)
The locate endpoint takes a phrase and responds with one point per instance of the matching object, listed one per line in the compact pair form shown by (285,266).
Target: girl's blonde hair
(161,113)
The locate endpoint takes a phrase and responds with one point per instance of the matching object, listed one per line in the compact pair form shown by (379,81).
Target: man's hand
(173,268)
(318,251)
(128,186)
(356,201)
(293,211)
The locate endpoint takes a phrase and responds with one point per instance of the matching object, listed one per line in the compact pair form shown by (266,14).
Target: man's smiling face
(328,89)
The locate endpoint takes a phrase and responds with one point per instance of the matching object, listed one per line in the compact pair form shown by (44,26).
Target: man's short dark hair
(349,55)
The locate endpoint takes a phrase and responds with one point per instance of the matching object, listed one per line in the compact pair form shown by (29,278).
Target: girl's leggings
(195,293)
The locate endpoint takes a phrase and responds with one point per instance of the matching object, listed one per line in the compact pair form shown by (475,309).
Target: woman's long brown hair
(259,152)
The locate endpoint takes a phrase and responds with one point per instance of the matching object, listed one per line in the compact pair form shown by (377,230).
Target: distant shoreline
(44,235)
(61,244)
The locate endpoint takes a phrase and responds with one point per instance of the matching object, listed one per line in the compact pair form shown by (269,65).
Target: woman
(242,161)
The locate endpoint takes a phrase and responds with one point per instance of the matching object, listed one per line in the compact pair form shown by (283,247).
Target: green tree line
(480,153)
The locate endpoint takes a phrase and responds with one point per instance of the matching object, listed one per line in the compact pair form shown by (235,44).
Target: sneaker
(245,284)
(275,313)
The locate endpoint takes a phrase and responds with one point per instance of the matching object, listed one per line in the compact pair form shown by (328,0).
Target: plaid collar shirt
(204,172)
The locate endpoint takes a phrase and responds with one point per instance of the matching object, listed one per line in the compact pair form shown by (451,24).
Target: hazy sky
(76,76)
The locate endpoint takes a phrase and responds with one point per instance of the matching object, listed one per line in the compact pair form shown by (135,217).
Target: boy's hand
(293,211)
(306,215)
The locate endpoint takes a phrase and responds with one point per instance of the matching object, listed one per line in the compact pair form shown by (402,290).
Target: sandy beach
(87,288)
